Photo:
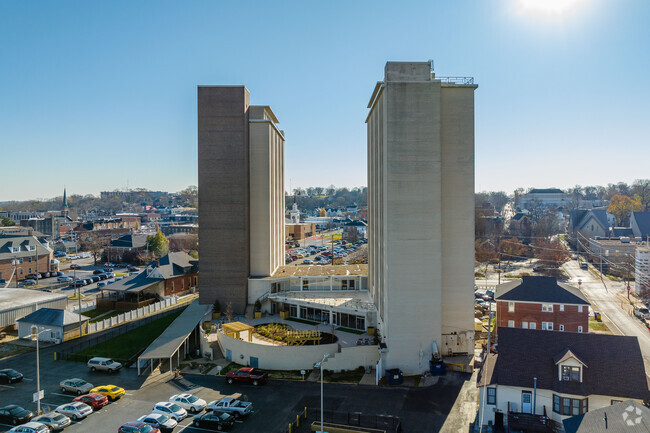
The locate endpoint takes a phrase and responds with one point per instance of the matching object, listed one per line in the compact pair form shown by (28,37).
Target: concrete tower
(421,213)
(241,193)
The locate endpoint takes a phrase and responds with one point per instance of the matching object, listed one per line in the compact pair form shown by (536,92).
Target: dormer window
(570,374)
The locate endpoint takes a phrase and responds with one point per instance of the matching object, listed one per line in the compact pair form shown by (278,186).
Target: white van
(103,364)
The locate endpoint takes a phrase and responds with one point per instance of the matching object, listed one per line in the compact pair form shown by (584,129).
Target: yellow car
(111,391)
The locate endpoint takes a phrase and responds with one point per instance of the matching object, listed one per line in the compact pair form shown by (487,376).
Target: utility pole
(36,254)
(489,330)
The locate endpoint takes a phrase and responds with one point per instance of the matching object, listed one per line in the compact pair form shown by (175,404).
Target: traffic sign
(38,395)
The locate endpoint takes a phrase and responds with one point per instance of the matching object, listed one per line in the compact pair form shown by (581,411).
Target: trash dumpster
(394,376)
(596,315)
(437,368)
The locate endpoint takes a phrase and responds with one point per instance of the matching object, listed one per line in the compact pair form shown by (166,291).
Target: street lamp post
(35,334)
(327,355)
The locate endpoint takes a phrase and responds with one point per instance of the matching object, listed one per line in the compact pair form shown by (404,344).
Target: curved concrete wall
(297,357)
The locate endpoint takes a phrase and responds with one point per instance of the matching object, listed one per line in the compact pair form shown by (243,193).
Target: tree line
(326,197)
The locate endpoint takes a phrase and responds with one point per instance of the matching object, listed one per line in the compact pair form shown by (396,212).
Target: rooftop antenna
(431,65)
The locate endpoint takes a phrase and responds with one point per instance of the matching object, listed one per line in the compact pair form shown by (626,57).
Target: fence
(85,306)
(131,315)
(70,352)
(357,421)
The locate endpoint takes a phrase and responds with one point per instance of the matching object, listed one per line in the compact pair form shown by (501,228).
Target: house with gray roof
(132,242)
(626,416)
(540,378)
(640,225)
(590,223)
(22,254)
(58,325)
(174,274)
(541,303)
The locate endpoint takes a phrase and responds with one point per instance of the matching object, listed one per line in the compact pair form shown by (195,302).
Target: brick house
(30,254)
(541,303)
(539,378)
(174,274)
(131,242)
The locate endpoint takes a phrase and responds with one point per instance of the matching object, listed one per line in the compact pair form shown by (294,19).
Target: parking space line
(62,395)
(7,386)
(30,380)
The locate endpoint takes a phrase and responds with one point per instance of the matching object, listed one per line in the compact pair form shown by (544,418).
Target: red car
(94,400)
(137,427)
(75,266)
(248,375)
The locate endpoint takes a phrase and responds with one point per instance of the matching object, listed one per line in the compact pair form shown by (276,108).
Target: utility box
(394,376)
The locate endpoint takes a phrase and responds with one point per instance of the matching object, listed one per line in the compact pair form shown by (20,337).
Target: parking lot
(421,409)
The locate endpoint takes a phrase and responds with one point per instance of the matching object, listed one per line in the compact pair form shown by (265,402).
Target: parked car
(87,281)
(45,275)
(108,270)
(250,375)
(110,274)
(133,269)
(172,410)
(55,421)
(97,272)
(75,385)
(584,265)
(103,364)
(307,262)
(94,400)
(31,427)
(189,402)
(102,276)
(58,274)
(75,266)
(95,278)
(642,312)
(101,284)
(214,420)
(237,407)
(28,282)
(137,427)
(64,279)
(15,415)
(75,410)
(9,375)
(111,391)
(162,422)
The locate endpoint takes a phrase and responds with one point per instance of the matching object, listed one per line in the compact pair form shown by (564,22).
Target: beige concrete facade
(421,174)
(241,193)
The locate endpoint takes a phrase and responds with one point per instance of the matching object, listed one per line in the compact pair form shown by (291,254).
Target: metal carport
(175,336)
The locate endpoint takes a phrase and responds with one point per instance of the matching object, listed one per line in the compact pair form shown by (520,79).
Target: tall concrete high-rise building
(241,194)
(421,213)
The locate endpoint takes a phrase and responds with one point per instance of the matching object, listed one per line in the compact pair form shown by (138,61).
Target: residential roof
(545,191)
(132,283)
(518,216)
(130,241)
(643,221)
(175,264)
(539,289)
(22,241)
(614,363)
(356,223)
(52,317)
(171,338)
(626,416)
(600,215)
(622,231)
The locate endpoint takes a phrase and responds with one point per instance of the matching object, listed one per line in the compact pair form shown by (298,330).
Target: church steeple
(64,205)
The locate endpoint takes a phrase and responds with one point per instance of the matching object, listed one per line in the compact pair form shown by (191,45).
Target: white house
(543,377)
(59,325)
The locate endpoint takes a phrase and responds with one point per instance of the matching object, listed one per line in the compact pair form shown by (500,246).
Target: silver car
(75,410)
(55,421)
(76,385)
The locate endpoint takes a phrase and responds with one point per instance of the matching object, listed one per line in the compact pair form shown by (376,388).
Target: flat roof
(10,298)
(319,271)
(171,339)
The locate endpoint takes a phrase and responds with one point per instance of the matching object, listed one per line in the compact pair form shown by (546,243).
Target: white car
(189,402)
(159,421)
(75,410)
(172,410)
(31,427)
(55,421)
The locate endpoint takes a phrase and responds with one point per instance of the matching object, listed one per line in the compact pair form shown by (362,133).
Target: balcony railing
(532,423)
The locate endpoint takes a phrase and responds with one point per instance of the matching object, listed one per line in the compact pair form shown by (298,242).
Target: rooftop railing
(457,80)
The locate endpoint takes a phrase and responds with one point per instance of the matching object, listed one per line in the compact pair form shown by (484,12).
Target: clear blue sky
(98,94)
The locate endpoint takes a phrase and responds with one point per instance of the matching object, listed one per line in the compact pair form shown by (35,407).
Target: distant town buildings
(550,197)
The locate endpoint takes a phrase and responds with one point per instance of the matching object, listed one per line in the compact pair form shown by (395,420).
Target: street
(609,298)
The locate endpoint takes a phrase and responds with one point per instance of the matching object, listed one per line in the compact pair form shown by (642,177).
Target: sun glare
(549,6)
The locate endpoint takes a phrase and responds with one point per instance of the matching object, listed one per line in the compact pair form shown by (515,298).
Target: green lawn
(126,345)
(94,313)
(307,322)
(351,376)
(594,325)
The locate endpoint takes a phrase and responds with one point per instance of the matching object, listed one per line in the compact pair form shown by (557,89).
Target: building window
(570,374)
(556,403)
(21,271)
(579,308)
(616,401)
(172,286)
(305,284)
(532,325)
(29,259)
(511,323)
(524,325)
(511,307)
(491,396)
(182,284)
(561,328)
(548,308)
(547,326)
(579,328)
(561,307)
